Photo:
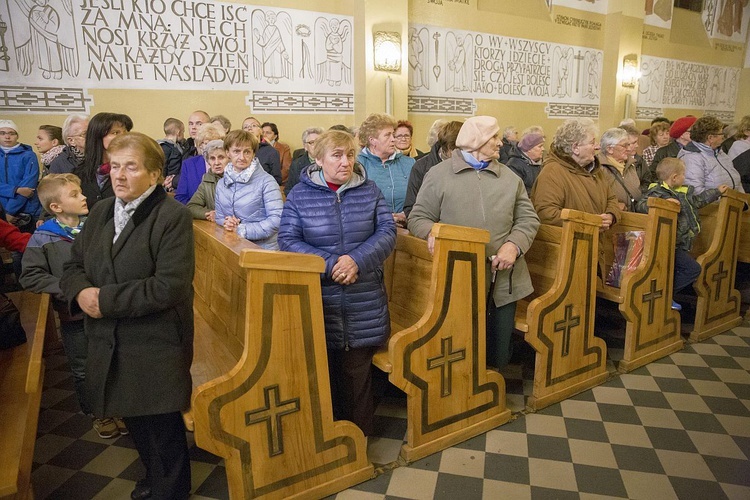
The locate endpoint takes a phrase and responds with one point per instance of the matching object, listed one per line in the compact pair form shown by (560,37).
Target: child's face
(72,201)
(8,137)
(677,179)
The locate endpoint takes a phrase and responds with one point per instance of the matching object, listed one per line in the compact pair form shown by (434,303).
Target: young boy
(174,135)
(47,251)
(671,175)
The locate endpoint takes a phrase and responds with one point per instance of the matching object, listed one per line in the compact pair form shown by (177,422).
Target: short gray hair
(70,121)
(509,130)
(311,130)
(612,137)
(573,131)
(212,146)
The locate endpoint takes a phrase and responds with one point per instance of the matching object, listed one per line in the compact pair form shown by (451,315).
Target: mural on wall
(288,60)
(726,19)
(670,83)
(659,13)
(450,68)
(599,6)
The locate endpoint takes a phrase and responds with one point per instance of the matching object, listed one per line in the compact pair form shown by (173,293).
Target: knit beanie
(530,141)
(681,125)
(8,124)
(476,131)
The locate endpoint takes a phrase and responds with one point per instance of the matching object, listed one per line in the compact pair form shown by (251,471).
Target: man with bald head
(197,118)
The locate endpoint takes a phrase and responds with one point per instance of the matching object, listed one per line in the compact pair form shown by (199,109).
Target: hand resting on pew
(607,221)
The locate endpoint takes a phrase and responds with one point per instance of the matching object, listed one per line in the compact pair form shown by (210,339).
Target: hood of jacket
(371,158)
(313,175)
(570,164)
(17,150)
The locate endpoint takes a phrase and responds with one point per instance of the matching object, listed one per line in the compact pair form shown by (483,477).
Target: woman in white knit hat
(471,188)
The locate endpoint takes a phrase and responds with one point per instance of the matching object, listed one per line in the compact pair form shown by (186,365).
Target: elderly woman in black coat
(131,273)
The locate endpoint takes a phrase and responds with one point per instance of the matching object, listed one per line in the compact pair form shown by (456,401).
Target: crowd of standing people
(111,209)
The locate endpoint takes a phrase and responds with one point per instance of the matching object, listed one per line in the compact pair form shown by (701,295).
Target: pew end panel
(558,321)
(645,294)
(716,249)
(21,384)
(270,416)
(744,253)
(439,358)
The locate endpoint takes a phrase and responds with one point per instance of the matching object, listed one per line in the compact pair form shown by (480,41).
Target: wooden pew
(644,295)
(716,249)
(268,412)
(558,319)
(436,353)
(744,253)
(21,379)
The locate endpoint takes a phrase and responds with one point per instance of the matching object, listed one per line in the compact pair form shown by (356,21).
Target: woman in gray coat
(203,203)
(131,273)
(472,189)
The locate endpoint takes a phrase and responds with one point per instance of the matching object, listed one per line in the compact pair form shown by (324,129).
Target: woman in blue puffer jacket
(248,200)
(335,212)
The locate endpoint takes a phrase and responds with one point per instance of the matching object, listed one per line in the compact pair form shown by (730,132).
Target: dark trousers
(686,270)
(500,323)
(75,344)
(162,446)
(351,386)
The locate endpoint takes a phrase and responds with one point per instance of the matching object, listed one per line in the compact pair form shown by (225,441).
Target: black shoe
(141,491)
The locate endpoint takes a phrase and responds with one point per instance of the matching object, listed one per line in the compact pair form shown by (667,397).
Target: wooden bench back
(270,415)
(436,353)
(716,248)
(645,293)
(407,275)
(21,381)
(559,319)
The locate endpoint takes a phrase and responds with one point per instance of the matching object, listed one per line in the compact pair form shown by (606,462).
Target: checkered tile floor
(677,428)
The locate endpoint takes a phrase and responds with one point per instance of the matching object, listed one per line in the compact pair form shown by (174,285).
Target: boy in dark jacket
(671,175)
(174,134)
(47,251)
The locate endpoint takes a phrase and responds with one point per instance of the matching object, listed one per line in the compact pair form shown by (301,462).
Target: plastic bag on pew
(628,253)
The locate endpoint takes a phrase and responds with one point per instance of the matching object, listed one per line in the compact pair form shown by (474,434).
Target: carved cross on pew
(565,325)
(718,277)
(445,361)
(271,414)
(650,298)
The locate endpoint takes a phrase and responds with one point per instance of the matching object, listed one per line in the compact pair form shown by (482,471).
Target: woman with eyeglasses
(248,199)
(572,177)
(94,173)
(267,155)
(309,136)
(74,136)
(617,165)
(706,165)
(403,135)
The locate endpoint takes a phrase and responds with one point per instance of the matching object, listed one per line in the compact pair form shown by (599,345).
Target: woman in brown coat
(572,177)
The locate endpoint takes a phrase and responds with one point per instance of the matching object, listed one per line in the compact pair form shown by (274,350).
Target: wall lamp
(387,50)
(630,72)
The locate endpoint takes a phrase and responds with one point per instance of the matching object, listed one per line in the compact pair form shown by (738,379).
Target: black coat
(742,164)
(521,165)
(65,163)
(416,177)
(140,352)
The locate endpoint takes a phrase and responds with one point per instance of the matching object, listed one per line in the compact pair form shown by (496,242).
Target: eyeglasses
(11,133)
(718,134)
(310,143)
(402,136)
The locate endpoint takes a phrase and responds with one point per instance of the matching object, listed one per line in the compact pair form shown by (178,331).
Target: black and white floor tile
(676,428)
